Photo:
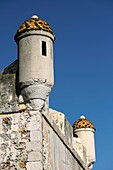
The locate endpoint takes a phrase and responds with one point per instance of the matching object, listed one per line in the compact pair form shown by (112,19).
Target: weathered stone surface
(58,118)
(33,146)
(11,69)
(34,156)
(63,124)
(33,125)
(8,90)
(32,137)
(35,135)
(36,104)
(34,166)
(30,92)
(78,146)
(58,152)
(21,143)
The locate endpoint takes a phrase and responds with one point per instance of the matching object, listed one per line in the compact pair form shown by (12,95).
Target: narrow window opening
(75,135)
(44,48)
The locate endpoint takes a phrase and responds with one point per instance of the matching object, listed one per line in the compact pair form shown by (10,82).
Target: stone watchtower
(35,54)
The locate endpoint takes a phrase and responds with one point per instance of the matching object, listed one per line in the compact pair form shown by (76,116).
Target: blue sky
(83,58)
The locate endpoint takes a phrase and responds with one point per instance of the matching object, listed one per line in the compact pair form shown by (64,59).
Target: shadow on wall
(13,69)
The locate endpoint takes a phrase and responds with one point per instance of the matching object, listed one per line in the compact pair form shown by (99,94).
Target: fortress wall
(23,146)
(58,153)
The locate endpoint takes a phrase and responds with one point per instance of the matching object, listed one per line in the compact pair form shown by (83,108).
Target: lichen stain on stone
(25,134)
(22,164)
(22,131)
(22,107)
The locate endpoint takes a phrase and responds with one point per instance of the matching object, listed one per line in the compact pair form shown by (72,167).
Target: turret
(84,129)
(35,54)
(36,78)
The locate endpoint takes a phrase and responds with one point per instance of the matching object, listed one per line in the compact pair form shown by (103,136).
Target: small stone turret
(84,129)
(35,52)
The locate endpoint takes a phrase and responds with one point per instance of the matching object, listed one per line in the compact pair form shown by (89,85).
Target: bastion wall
(34,139)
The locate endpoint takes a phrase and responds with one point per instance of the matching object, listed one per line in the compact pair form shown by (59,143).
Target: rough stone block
(15,128)
(33,113)
(37,104)
(34,165)
(33,146)
(37,117)
(33,125)
(35,135)
(15,118)
(35,156)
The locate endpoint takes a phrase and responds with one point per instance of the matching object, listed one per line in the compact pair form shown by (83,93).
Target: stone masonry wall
(58,153)
(20,147)
(19,140)
(36,138)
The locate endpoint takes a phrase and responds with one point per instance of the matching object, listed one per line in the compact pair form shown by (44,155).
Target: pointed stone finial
(34,16)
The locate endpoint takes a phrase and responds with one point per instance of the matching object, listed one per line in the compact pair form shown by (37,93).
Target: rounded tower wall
(87,139)
(35,50)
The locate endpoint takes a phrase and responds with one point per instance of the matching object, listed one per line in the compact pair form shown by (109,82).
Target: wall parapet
(49,118)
